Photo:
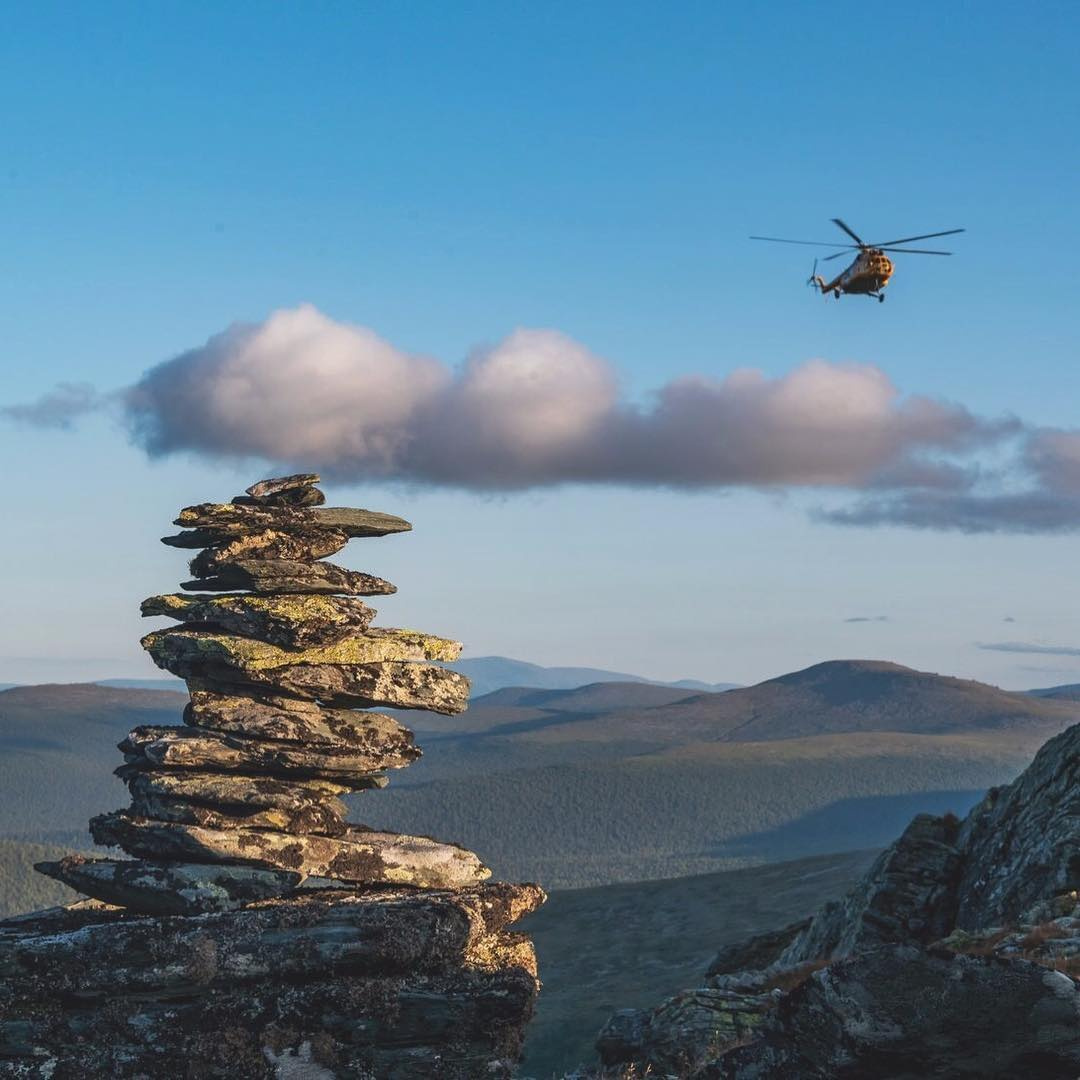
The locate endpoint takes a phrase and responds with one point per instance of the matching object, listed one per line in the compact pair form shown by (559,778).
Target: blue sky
(445,174)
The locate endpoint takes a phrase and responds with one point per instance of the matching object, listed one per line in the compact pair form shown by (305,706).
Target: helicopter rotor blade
(849,230)
(914,251)
(839,253)
(911,239)
(810,243)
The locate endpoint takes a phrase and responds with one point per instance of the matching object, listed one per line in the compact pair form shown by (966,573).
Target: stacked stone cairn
(256,932)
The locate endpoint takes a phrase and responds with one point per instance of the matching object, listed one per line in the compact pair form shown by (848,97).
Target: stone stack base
(393,984)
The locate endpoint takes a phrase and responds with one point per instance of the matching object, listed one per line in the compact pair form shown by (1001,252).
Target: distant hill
(1070,692)
(851,696)
(176,685)
(831,698)
(489,673)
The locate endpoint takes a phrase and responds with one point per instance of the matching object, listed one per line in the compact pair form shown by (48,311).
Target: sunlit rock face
(256,932)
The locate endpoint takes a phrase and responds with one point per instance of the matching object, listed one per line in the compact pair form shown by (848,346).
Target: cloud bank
(536,408)
(301,391)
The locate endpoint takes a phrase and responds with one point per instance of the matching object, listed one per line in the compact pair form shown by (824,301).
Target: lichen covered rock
(289,576)
(359,855)
(182,649)
(385,983)
(296,622)
(198,748)
(281,719)
(171,888)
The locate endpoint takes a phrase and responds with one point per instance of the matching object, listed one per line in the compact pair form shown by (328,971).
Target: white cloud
(536,408)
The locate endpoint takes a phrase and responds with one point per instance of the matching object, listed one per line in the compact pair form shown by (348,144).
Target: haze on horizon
(488,269)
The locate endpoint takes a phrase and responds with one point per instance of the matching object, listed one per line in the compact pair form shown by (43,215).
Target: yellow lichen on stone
(368,647)
(290,609)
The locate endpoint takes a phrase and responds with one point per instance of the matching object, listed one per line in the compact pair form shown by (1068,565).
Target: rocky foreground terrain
(957,955)
(255,932)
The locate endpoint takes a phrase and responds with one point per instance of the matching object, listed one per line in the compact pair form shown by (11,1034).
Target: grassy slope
(631,945)
(58,751)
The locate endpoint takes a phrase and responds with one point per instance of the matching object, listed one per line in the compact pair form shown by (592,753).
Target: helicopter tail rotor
(815,280)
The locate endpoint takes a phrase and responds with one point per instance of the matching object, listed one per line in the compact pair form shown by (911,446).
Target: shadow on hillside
(847,825)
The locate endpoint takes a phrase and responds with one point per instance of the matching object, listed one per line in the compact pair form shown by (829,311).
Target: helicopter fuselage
(867,275)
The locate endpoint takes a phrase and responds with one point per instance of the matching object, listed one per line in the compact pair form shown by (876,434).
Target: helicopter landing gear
(836,293)
(881,298)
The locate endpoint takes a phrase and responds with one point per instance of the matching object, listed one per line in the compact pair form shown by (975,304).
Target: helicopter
(870,272)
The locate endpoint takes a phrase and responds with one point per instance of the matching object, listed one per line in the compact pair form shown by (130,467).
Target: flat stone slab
(291,622)
(169,889)
(383,930)
(308,496)
(233,519)
(269,544)
(298,490)
(275,485)
(292,720)
(360,856)
(176,649)
(199,748)
(318,819)
(231,790)
(392,684)
(290,576)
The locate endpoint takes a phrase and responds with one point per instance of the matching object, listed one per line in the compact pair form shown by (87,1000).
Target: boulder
(899,1012)
(908,895)
(1022,842)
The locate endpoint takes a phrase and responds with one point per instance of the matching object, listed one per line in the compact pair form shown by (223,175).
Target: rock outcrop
(256,932)
(956,956)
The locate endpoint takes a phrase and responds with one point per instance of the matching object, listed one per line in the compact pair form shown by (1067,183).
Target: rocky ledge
(396,984)
(253,931)
(956,956)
